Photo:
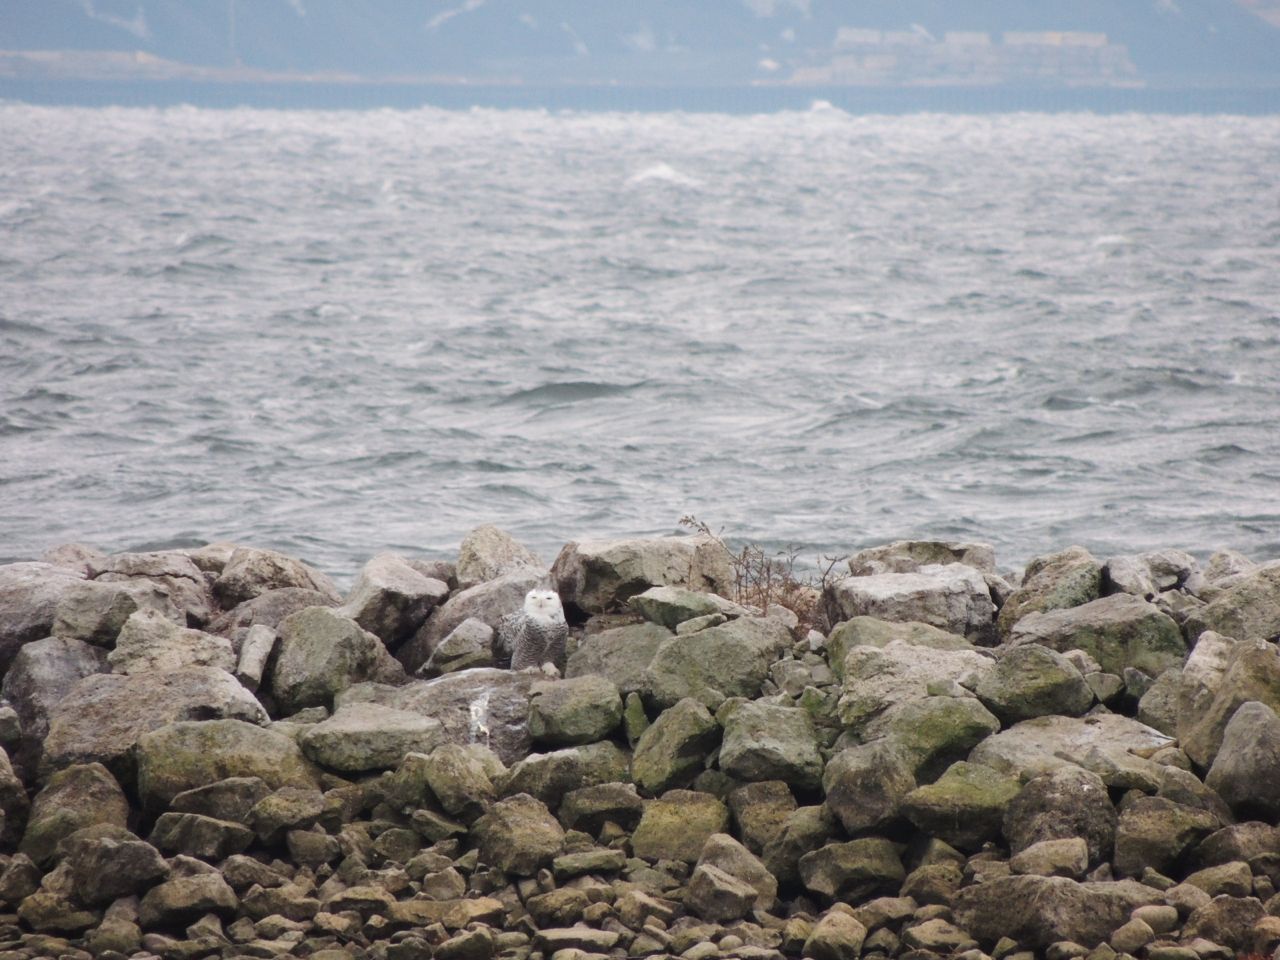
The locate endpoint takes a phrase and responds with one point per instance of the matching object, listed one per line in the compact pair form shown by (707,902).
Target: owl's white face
(543,604)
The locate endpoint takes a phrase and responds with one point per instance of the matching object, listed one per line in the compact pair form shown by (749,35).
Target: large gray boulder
(764,741)
(865,785)
(725,853)
(1246,768)
(873,632)
(1053,582)
(150,642)
(487,602)
(29,596)
(673,749)
(1247,610)
(102,717)
(251,572)
(549,776)
(360,737)
(94,610)
(965,806)
(184,756)
(854,870)
(1039,911)
(934,732)
(485,706)
(1068,802)
(731,660)
(908,556)
(266,610)
(595,576)
(184,585)
(320,654)
(1156,833)
(877,679)
(77,797)
(391,599)
(518,835)
(678,824)
(953,597)
(1033,681)
(622,654)
(1149,574)
(1118,631)
(1216,684)
(42,673)
(577,710)
(487,553)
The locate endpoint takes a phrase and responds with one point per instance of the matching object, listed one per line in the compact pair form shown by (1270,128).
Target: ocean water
(336,333)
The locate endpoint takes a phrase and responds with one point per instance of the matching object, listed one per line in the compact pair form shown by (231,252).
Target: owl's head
(543,604)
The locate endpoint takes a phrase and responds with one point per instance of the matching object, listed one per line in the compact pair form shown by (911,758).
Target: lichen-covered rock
(77,797)
(1249,609)
(1226,920)
(672,606)
(573,711)
(103,716)
(760,811)
(953,597)
(29,596)
(487,602)
(518,835)
(196,835)
(230,798)
(934,732)
(1208,700)
(549,776)
(907,556)
(42,673)
(595,576)
(148,641)
(588,808)
(964,807)
(1039,911)
(1033,681)
(484,706)
(1118,631)
(673,749)
(94,611)
(167,579)
(1155,832)
(879,679)
(865,785)
(731,660)
(1068,802)
(725,853)
(468,645)
(250,572)
(266,610)
(764,741)
(104,867)
(487,553)
(1246,768)
(321,654)
(621,654)
(182,900)
(854,870)
(460,778)
(184,756)
(368,736)
(1068,857)
(718,896)
(391,599)
(284,809)
(677,825)
(874,632)
(1054,582)
(1158,707)
(1148,574)
(836,936)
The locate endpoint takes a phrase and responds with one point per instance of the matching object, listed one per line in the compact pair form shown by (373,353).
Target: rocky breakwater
(215,753)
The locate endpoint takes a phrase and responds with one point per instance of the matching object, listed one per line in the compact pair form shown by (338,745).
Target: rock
(42,673)
(1067,803)
(1118,631)
(167,577)
(266,610)
(487,553)
(368,736)
(485,706)
(672,606)
(106,868)
(574,711)
(768,742)
(47,911)
(1185,788)
(964,807)
(672,750)
(621,654)
(1107,743)
(250,573)
(150,642)
(877,680)
(852,871)
(938,936)
(199,836)
(230,799)
(677,825)
(595,576)
(391,600)
(1155,832)
(469,645)
(865,785)
(285,809)
(255,652)
(1148,574)
(1249,609)
(1158,707)
(1131,937)
(549,776)
(1225,920)
(103,716)
(952,597)
(460,778)
(1232,879)
(29,596)
(1053,858)
(1032,681)
(804,831)
(94,611)
(1039,911)
(728,855)
(731,660)
(182,900)
(1246,769)
(470,945)
(77,797)
(321,654)
(1058,581)
(873,632)
(908,556)
(934,732)
(836,936)
(487,602)
(1207,703)
(183,756)
(760,811)
(588,809)
(19,879)
(718,896)
(518,835)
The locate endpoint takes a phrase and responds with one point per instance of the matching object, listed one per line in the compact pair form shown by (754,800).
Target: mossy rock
(677,825)
(965,806)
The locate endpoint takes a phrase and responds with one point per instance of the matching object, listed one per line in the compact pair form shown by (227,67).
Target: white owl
(536,635)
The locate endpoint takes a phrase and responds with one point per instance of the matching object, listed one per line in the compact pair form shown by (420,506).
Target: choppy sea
(335,333)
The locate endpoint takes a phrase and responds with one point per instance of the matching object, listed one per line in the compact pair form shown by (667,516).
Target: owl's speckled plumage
(536,635)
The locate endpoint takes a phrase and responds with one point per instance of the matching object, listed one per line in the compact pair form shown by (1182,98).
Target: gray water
(339,333)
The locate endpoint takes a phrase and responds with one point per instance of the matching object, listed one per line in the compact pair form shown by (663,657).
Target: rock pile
(214,753)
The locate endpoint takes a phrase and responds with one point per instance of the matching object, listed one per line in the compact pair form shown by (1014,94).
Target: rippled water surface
(337,333)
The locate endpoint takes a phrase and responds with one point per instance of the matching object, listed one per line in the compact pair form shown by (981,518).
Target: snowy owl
(536,635)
